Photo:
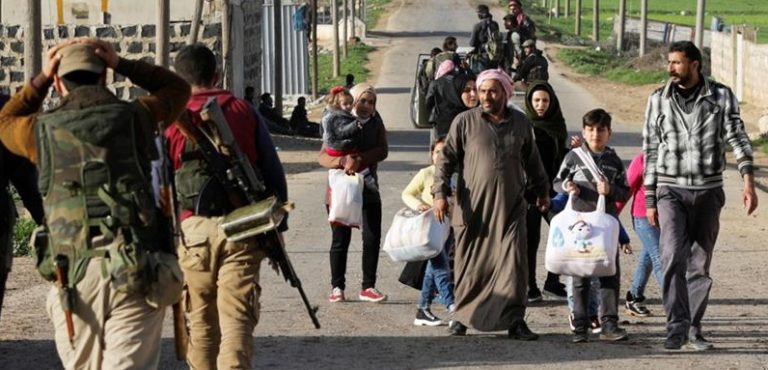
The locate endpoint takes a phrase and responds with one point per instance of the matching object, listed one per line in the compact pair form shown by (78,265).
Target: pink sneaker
(372,295)
(337,295)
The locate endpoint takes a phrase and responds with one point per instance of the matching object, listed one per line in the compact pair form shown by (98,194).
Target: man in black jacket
(535,66)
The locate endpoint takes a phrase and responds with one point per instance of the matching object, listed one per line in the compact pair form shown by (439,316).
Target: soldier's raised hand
(104,50)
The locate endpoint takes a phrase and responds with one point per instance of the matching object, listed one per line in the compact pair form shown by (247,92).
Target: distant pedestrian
(484,37)
(447,97)
(300,124)
(275,120)
(535,66)
(350,81)
(688,122)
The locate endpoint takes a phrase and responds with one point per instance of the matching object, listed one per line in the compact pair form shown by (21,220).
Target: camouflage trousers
(113,330)
(221,295)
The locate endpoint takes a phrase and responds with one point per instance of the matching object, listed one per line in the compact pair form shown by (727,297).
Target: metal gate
(295,79)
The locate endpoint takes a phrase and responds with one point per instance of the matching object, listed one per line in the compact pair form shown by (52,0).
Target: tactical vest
(95,181)
(197,189)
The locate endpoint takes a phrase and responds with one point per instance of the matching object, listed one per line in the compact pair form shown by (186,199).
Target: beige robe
(493,162)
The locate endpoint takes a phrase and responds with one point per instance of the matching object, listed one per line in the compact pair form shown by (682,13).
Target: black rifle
(243,187)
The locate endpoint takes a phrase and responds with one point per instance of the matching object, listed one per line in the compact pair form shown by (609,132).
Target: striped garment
(688,150)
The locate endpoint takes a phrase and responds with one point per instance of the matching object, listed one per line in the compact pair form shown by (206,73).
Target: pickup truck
(418,111)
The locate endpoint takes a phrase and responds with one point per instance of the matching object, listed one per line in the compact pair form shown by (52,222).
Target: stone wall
(130,41)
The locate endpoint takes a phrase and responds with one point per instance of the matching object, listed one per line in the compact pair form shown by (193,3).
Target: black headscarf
(552,122)
(459,82)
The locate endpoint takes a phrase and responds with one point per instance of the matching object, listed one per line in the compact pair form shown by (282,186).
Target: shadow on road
(416,34)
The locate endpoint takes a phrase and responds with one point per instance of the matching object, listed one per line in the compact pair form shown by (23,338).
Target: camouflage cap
(79,57)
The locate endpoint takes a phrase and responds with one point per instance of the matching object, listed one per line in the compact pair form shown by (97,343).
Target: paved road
(362,335)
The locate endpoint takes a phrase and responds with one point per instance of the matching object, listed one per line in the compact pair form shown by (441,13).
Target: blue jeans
(594,294)
(438,276)
(650,256)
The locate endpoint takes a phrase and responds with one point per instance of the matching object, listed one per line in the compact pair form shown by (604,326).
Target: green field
(357,58)
(733,12)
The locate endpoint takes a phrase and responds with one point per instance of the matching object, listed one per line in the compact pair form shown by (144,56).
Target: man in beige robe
(493,150)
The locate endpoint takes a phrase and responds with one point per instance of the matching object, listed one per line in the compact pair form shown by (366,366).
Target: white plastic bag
(582,244)
(415,236)
(345,198)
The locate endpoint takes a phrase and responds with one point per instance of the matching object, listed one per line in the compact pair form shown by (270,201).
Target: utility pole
(335,27)
(643,26)
(195,29)
(699,24)
(161,36)
(596,21)
(354,16)
(278,88)
(622,23)
(106,18)
(344,31)
(226,45)
(315,69)
(577,31)
(33,61)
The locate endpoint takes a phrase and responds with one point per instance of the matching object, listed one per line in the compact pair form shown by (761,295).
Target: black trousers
(533,229)
(341,237)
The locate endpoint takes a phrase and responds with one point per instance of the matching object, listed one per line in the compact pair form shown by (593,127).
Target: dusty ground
(358,335)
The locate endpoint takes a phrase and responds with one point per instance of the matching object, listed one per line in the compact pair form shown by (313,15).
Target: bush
(22,235)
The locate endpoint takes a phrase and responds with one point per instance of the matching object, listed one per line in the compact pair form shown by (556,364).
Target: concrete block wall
(723,62)
(133,41)
(755,64)
(755,78)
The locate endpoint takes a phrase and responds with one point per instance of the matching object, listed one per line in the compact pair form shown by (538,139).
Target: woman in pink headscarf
(448,96)
(371,149)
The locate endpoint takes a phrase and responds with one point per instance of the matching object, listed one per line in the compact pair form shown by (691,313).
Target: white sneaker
(337,295)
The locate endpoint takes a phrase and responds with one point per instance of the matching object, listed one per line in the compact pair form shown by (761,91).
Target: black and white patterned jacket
(688,150)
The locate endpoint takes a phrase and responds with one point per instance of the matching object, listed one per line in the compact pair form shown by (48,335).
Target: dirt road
(357,335)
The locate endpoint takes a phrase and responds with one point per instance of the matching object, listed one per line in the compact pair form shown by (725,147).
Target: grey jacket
(575,170)
(688,150)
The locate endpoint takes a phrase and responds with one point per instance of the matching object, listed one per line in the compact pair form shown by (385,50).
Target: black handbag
(413,274)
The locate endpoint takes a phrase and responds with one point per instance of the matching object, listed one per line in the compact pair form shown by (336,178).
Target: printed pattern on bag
(582,243)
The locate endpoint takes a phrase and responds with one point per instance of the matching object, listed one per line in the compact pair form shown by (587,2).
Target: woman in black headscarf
(551,135)
(448,96)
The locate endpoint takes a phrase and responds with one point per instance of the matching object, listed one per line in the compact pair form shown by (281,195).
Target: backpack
(538,73)
(494,46)
(93,176)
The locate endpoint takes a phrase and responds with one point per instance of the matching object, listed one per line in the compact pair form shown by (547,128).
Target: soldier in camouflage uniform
(104,242)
